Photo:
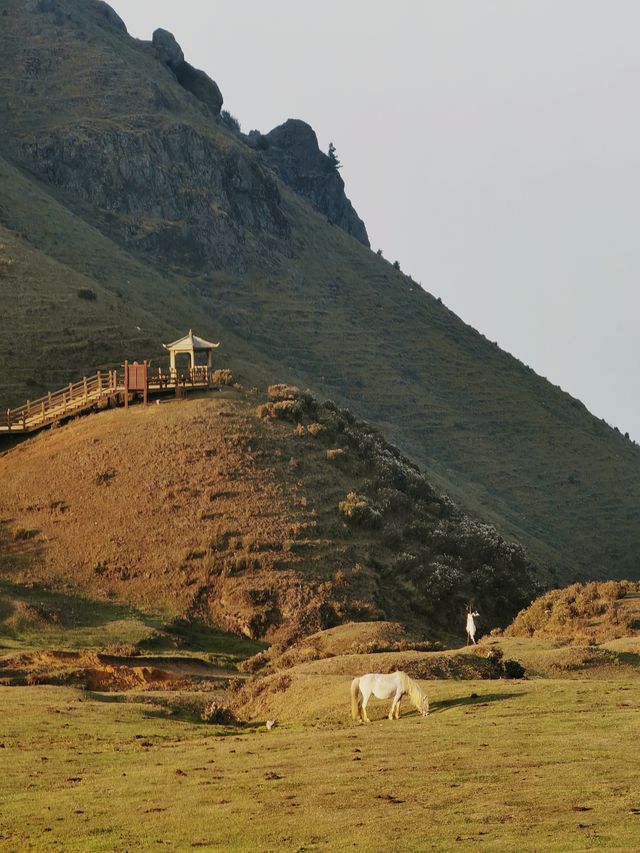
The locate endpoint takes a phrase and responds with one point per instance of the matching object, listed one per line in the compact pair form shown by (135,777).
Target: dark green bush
(87,293)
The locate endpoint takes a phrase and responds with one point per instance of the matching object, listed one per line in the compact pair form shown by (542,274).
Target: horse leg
(398,707)
(395,704)
(365,699)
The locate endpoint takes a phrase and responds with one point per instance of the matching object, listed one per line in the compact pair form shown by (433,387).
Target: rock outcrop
(105,11)
(102,9)
(192,79)
(171,193)
(292,150)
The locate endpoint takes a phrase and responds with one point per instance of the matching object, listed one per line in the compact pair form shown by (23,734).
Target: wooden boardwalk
(102,389)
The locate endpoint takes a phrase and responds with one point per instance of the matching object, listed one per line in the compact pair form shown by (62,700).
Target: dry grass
(180,508)
(352,638)
(592,612)
(203,509)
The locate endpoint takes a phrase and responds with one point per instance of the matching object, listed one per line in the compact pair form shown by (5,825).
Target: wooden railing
(83,395)
(59,404)
(195,376)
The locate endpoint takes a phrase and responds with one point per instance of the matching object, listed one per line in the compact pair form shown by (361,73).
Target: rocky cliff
(170,193)
(292,150)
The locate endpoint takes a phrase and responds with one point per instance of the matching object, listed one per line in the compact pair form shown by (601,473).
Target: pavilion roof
(191,342)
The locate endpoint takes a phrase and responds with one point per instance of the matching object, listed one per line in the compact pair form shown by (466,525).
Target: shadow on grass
(63,612)
(179,711)
(192,716)
(109,698)
(629,658)
(18,547)
(465,701)
(72,611)
(197,636)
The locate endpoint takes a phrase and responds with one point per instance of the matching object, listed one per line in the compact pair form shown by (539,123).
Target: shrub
(87,293)
(230,121)
(335,453)
(513,669)
(280,683)
(255,663)
(222,376)
(284,392)
(613,590)
(265,410)
(219,715)
(287,410)
(316,429)
(358,510)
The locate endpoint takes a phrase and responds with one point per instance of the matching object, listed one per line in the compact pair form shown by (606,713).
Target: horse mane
(415,693)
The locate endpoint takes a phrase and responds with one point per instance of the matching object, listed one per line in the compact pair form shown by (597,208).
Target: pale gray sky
(491,146)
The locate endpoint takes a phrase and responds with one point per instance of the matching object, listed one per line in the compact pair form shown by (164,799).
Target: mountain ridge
(251,262)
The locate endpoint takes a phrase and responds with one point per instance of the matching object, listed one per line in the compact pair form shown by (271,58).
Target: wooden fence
(57,405)
(104,386)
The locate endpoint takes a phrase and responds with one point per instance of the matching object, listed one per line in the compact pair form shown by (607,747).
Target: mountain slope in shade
(117,180)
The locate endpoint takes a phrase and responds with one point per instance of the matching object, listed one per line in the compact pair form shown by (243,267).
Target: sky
(491,147)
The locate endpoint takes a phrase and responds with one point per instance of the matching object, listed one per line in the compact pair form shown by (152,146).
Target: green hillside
(116,180)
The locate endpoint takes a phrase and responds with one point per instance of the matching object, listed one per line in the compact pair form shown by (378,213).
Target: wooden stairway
(71,400)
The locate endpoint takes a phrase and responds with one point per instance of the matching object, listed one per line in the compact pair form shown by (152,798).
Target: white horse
(396,684)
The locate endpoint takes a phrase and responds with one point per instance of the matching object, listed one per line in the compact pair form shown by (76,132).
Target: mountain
(273,520)
(130,213)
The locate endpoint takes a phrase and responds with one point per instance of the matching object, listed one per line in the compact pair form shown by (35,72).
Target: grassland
(528,766)
(545,763)
(316,308)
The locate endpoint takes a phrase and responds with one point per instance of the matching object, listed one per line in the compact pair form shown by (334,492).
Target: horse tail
(355,699)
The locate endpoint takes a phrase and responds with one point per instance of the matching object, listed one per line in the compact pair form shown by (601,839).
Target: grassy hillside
(273,520)
(114,179)
(592,611)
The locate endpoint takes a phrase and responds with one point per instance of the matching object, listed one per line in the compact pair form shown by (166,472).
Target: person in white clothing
(471,626)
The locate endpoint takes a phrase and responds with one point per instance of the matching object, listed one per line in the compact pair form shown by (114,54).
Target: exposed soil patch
(106,672)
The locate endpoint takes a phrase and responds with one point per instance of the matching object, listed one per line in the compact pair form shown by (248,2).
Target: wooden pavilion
(191,345)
